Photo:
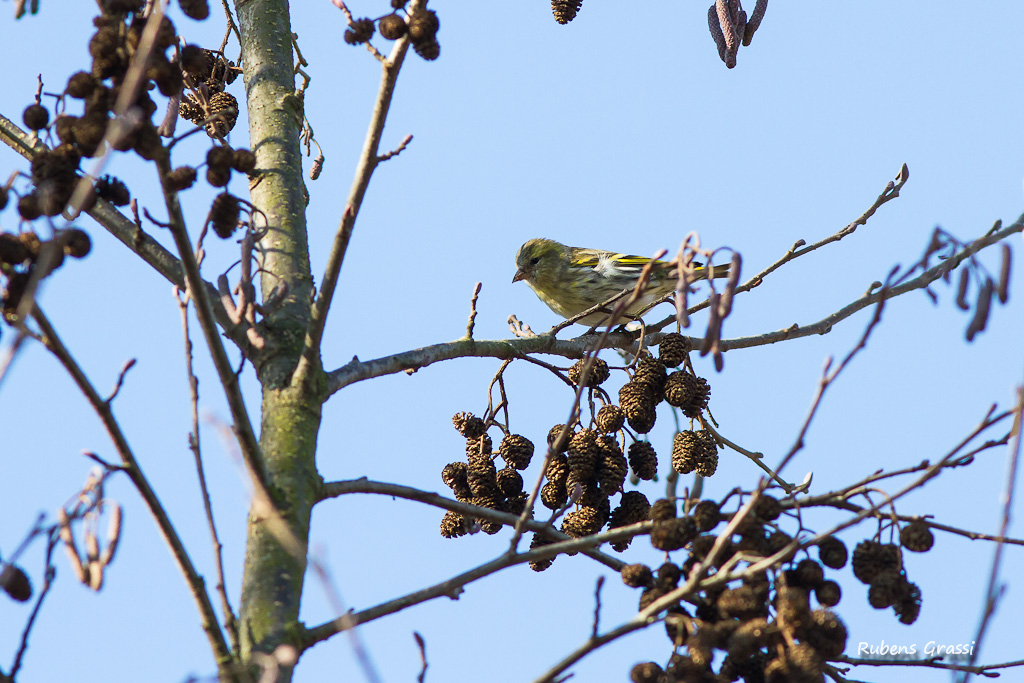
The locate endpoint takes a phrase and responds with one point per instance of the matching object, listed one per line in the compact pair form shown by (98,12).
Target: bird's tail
(721,271)
(701,271)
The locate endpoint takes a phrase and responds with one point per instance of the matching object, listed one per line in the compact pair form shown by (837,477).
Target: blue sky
(617,131)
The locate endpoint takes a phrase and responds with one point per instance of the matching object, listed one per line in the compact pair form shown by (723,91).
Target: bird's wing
(623,263)
(607,259)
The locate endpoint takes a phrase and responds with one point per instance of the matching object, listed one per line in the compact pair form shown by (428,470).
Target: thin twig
(756,458)
(231,26)
(493,410)
(49,573)
(972,535)
(422,645)
(827,379)
(891,191)
(800,247)
(839,498)
(230,621)
(929,663)
(927,277)
(930,473)
(993,590)
(397,150)
(472,311)
(12,351)
(318,565)
(602,307)
(263,507)
(120,380)
(595,627)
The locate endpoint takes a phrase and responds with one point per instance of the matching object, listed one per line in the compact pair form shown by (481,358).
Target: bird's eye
(535,260)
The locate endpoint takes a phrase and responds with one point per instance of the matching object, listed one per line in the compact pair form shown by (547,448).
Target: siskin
(570,279)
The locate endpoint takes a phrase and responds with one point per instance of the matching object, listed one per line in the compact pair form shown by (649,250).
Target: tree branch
(800,247)
(410,361)
(648,615)
(930,472)
(368,160)
(695,583)
(453,587)
(891,191)
(993,591)
(987,670)
(363,485)
(131,467)
(129,234)
(230,621)
(824,326)
(49,573)
(201,297)
(840,498)
(829,376)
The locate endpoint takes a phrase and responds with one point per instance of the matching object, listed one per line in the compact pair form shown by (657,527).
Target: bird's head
(538,260)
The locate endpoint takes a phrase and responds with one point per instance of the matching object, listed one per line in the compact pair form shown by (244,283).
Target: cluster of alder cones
(587,466)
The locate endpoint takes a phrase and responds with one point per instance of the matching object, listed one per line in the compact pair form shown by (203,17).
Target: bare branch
(334,596)
(231,26)
(453,587)
(368,160)
(993,591)
(422,645)
(472,311)
(131,467)
(397,150)
(230,621)
(929,473)
(364,485)
(48,575)
(120,380)
(12,350)
(891,191)
(127,232)
(756,458)
(800,247)
(828,378)
(824,326)
(931,663)
(202,298)
(595,627)
(357,371)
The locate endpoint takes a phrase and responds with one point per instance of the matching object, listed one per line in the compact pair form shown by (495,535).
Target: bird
(572,279)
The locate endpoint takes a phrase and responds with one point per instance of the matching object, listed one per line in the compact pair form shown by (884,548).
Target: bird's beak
(520,275)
